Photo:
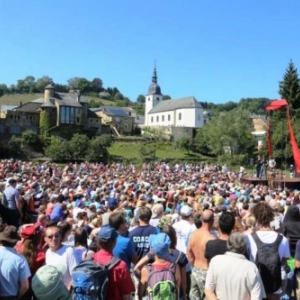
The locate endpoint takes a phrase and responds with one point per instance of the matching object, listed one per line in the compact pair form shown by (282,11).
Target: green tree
(185,143)
(41,83)
(30,138)
(3,89)
(58,149)
(98,151)
(289,87)
(29,83)
(44,123)
(79,145)
(141,99)
(96,85)
(118,96)
(166,97)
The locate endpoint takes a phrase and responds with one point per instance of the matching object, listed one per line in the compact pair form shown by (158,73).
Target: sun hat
(186,211)
(165,220)
(160,244)
(47,283)
(10,235)
(156,210)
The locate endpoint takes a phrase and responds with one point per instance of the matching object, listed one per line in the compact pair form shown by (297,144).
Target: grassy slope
(24,98)
(122,150)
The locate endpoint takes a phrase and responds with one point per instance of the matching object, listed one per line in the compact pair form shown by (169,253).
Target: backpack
(162,283)
(90,279)
(269,263)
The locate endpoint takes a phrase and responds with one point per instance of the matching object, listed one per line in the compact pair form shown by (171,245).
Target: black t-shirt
(215,247)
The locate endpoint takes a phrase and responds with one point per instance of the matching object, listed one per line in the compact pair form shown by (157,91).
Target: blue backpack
(90,279)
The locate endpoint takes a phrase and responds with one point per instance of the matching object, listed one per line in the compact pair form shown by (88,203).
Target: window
(163,118)
(67,115)
(15,129)
(157,98)
(149,98)
(179,116)
(151,119)
(78,120)
(157,118)
(169,117)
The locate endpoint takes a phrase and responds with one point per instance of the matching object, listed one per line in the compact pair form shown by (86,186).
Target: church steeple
(154,88)
(154,77)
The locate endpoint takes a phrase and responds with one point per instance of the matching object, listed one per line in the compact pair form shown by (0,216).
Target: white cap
(186,211)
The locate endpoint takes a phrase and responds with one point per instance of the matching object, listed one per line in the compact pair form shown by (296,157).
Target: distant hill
(16,99)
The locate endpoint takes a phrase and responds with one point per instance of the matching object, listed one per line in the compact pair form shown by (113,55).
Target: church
(182,112)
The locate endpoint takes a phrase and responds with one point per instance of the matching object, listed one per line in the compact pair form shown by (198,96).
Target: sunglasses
(50,237)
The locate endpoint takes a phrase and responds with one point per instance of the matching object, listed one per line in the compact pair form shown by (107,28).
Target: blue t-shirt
(57,213)
(139,236)
(124,250)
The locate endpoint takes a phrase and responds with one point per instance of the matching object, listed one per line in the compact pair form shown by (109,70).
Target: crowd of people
(189,231)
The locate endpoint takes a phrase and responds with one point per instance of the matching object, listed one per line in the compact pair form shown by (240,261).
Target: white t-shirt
(183,229)
(268,237)
(63,256)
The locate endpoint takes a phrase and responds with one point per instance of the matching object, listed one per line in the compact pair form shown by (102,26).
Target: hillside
(24,98)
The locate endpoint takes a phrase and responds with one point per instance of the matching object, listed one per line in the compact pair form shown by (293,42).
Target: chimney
(78,95)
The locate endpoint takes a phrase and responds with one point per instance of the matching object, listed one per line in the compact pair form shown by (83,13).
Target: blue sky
(215,50)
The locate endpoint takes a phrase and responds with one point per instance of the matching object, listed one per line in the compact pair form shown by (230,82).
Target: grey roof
(50,86)
(6,107)
(29,107)
(48,103)
(114,111)
(92,114)
(66,99)
(173,104)
(154,89)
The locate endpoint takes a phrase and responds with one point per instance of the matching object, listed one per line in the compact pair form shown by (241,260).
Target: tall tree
(166,97)
(42,82)
(140,99)
(97,85)
(289,87)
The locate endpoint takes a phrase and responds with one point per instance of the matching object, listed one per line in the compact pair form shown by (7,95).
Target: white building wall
(150,102)
(161,119)
(185,117)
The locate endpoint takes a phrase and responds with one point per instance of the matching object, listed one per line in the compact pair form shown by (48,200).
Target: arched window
(169,117)
(179,116)
(151,119)
(157,118)
(163,118)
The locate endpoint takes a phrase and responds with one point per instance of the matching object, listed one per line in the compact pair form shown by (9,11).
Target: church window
(151,119)
(179,116)
(149,99)
(157,118)
(169,117)
(163,118)
(157,98)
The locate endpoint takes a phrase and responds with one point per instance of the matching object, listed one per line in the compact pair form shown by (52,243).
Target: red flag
(295,149)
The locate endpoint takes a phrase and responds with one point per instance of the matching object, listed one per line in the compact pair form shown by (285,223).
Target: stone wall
(179,132)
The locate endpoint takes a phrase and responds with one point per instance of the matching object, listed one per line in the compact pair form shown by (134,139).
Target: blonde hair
(249,221)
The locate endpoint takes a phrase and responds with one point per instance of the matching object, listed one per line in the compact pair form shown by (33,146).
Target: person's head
(9,236)
(160,244)
(236,243)
(12,182)
(31,237)
(170,231)
(197,219)
(80,237)
(263,214)
(249,222)
(144,214)
(226,222)
(207,218)
(186,212)
(157,210)
(65,229)
(112,204)
(47,282)
(107,238)
(117,221)
(53,237)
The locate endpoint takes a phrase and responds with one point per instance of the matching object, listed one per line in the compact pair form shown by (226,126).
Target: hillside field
(164,151)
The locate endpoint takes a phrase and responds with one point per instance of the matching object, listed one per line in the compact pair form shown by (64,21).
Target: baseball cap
(160,244)
(29,231)
(79,203)
(156,210)
(47,282)
(107,233)
(186,211)
(112,202)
